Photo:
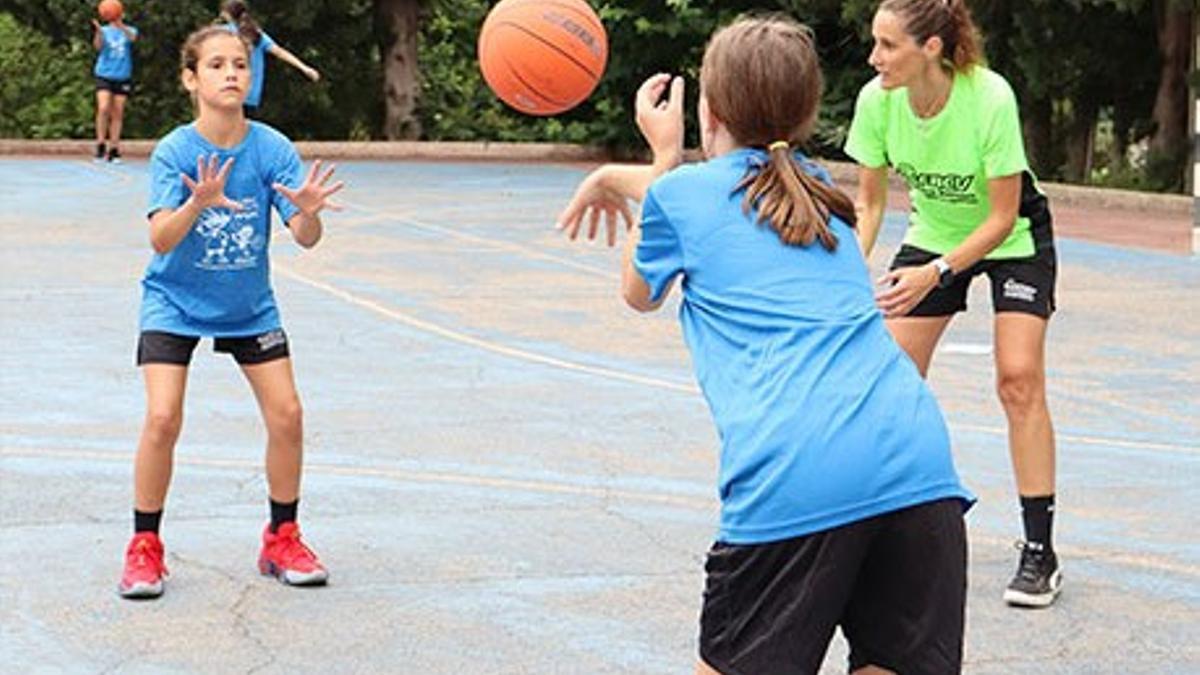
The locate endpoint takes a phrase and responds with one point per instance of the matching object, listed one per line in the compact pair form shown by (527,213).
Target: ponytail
(792,202)
(949,20)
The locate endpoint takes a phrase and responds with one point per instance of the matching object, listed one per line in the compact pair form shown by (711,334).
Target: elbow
(160,246)
(640,300)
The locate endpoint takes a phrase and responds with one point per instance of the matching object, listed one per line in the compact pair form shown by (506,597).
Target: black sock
(282,513)
(1038,515)
(146,521)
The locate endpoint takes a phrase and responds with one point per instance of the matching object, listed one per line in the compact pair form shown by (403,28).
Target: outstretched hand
(208,189)
(593,199)
(661,119)
(313,195)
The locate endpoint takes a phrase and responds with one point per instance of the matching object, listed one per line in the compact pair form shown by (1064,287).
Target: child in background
(114,83)
(236,16)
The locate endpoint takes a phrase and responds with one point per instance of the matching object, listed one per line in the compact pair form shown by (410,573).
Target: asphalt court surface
(508,471)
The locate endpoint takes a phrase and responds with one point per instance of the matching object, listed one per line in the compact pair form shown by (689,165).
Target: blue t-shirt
(823,420)
(215,282)
(115,60)
(258,65)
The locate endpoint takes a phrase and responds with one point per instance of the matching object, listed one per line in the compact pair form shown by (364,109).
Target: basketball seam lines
(529,87)
(553,46)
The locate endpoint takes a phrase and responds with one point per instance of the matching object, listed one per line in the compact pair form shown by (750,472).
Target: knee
(163,424)
(1021,391)
(286,420)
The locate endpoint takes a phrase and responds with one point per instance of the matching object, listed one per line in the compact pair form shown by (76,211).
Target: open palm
(208,189)
(313,194)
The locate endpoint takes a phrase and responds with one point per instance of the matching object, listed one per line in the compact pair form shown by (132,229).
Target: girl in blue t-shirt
(213,185)
(114,83)
(235,15)
(840,504)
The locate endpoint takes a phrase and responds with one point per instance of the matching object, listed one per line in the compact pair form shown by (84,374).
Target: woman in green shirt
(950,127)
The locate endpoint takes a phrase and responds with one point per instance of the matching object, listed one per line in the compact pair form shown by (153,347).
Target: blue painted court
(506,469)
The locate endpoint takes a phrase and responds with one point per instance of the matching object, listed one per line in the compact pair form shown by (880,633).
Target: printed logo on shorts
(271,339)
(1015,290)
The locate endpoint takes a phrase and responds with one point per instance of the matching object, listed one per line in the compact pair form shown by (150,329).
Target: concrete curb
(844,173)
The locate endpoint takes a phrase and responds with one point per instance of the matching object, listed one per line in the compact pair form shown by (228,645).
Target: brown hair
(949,20)
(762,80)
(236,12)
(189,54)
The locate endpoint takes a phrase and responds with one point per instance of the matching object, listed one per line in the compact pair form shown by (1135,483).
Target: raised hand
(592,199)
(208,189)
(661,121)
(313,195)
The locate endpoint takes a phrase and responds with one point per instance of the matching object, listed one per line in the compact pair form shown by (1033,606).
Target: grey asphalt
(507,471)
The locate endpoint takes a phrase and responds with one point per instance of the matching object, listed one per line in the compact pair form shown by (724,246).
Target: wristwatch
(945,274)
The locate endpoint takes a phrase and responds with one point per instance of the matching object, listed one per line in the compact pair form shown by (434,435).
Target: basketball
(110,10)
(542,57)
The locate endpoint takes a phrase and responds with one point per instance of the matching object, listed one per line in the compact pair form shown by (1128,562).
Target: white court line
(966,348)
(659,383)
(1151,562)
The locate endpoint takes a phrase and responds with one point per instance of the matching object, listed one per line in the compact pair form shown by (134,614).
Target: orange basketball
(110,10)
(542,57)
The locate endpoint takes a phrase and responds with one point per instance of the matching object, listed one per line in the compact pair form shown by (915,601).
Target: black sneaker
(99,152)
(1038,580)
(114,156)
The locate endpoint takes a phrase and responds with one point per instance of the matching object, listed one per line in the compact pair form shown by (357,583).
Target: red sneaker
(286,558)
(144,568)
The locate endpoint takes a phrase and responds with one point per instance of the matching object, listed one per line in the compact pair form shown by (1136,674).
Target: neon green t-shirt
(948,158)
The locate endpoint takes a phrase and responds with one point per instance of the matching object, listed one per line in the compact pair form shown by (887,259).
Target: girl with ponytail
(840,504)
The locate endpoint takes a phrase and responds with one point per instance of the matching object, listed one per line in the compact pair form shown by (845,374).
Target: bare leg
(165,385)
(1021,385)
(918,336)
(103,103)
(275,389)
(116,120)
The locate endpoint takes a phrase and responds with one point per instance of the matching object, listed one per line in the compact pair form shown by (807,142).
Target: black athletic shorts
(161,347)
(895,583)
(1018,284)
(117,87)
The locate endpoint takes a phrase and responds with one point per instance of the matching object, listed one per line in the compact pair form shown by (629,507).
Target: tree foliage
(1086,72)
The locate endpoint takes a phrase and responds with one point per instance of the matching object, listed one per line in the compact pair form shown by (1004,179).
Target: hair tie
(778,145)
